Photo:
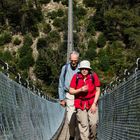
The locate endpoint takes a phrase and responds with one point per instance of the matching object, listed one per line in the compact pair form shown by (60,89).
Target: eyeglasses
(76,61)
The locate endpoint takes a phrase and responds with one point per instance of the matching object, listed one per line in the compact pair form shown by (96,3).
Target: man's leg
(71,114)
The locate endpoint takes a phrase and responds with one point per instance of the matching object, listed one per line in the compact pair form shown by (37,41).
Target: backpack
(91,77)
(77,76)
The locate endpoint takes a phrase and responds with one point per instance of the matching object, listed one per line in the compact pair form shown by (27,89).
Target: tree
(101,40)
(53,37)
(42,70)
(42,42)
(104,62)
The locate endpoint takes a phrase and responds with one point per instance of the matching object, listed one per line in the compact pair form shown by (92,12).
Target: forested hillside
(33,37)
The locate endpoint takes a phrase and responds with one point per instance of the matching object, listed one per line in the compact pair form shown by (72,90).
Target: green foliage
(92,44)
(52,15)
(90,28)
(57,22)
(117,20)
(30,18)
(53,37)
(28,40)
(43,70)
(46,28)
(17,41)
(75,40)
(5,38)
(89,3)
(132,36)
(42,42)
(56,0)
(6,56)
(25,54)
(34,31)
(101,40)
(117,56)
(104,62)
(44,1)
(60,13)
(91,52)
(97,21)
(26,61)
(120,22)
(64,2)
(24,50)
(80,12)
(48,66)
(60,23)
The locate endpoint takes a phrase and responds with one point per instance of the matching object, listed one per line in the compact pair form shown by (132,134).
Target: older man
(66,99)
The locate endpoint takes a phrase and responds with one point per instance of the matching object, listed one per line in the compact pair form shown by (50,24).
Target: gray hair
(74,52)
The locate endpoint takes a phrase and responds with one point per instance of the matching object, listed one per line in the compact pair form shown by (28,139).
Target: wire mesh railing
(25,115)
(119,110)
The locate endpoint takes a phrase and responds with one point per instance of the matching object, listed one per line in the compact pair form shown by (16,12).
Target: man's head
(74,59)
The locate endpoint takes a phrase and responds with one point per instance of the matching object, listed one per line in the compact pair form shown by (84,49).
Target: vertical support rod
(70,29)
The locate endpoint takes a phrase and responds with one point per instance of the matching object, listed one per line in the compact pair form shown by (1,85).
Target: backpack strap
(91,76)
(77,78)
(65,71)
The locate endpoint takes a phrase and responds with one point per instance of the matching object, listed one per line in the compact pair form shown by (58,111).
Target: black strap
(65,71)
(91,76)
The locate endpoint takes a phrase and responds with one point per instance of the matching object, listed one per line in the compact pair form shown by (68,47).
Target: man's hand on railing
(63,103)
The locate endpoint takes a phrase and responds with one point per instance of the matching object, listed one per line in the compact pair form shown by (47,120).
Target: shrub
(101,40)
(80,12)
(46,28)
(34,31)
(44,1)
(90,28)
(89,3)
(57,22)
(52,14)
(53,37)
(6,56)
(65,2)
(42,42)
(5,38)
(104,59)
(56,0)
(25,50)
(28,40)
(92,44)
(90,54)
(42,70)
(25,62)
(17,41)
(60,13)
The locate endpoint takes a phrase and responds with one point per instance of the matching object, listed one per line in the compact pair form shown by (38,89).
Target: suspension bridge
(27,114)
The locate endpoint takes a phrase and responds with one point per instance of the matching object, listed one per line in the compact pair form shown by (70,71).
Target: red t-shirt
(85,99)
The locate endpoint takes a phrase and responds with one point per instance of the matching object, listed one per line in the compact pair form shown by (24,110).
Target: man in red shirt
(86,88)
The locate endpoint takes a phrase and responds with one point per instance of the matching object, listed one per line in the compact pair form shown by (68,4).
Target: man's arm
(61,90)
